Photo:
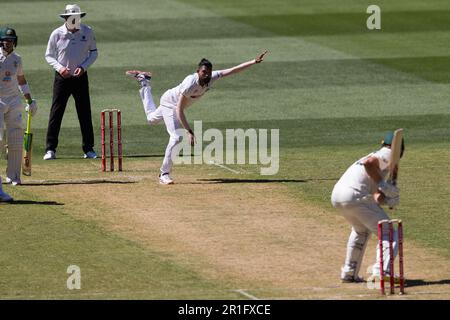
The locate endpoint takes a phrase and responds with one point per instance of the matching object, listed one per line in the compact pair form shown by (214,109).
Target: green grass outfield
(331,86)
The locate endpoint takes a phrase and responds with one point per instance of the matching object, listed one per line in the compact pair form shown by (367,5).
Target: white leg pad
(356,247)
(386,253)
(15,146)
(2,144)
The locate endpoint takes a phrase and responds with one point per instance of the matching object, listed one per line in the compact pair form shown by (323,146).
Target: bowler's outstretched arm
(243,66)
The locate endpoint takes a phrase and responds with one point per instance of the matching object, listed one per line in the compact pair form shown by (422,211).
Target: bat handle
(29,122)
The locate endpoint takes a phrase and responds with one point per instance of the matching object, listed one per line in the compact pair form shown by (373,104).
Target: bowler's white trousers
(155,116)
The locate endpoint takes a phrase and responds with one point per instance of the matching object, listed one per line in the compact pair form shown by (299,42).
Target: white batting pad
(15,146)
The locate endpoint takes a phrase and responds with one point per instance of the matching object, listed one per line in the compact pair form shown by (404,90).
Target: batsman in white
(12,80)
(358,195)
(175,101)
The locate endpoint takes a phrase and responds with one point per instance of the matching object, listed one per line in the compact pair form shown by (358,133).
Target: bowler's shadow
(235,180)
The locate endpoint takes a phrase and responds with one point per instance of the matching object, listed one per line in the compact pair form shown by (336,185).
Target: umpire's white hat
(71,10)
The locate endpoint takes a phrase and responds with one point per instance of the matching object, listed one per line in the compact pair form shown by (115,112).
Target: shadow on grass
(45,203)
(420,282)
(234,180)
(72,182)
(144,156)
(99,157)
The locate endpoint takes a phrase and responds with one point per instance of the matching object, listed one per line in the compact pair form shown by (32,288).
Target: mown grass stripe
(243,26)
(348,23)
(268,7)
(294,133)
(302,74)
(102,10)
(148,29)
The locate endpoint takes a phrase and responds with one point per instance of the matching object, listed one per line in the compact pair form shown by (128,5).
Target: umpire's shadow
(44,203)
(74,182)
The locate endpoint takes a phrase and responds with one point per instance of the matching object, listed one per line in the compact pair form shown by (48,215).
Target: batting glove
(392,202)
(32,107)
(388,189)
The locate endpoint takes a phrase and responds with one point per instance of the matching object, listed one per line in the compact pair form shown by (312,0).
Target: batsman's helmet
(8,33)
(387,141)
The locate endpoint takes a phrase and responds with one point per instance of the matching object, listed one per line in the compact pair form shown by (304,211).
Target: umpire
(70,51)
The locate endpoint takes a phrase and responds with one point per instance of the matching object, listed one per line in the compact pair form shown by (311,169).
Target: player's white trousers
(11,117)
(364,219)
(155,116)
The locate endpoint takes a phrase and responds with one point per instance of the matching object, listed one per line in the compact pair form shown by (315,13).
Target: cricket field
(332,87)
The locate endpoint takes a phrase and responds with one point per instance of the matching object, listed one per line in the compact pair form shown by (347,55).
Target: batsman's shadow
(44,203)
(420,282)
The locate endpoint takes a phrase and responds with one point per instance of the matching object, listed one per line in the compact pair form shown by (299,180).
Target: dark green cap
(388,138)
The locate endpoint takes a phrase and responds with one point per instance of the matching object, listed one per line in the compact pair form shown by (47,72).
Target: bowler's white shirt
(190,88)
(10,68)
(355,183)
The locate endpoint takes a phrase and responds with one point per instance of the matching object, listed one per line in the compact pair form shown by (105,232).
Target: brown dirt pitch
(257,238)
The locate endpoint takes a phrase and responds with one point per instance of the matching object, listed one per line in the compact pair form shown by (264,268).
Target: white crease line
(248,295)
(224,167)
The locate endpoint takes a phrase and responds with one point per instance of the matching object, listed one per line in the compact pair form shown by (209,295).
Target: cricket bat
(396,149)
(27,148)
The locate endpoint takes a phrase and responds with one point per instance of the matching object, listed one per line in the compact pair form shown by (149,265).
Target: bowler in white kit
(175,101)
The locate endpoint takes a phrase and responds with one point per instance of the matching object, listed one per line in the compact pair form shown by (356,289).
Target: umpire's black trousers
(78,87)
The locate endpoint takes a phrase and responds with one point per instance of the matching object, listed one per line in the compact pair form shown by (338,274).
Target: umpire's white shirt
(190,88)
(71,50)
(10,68)
(355,184)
